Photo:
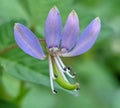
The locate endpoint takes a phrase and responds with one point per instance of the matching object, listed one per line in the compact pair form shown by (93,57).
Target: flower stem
(8,49)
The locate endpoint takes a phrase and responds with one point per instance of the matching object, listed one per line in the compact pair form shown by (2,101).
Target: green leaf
(116,99)
(11,10)
(11,84)
(38,97)
(6,33)
(1,70)
(24,72)
(6,104)
(98,79)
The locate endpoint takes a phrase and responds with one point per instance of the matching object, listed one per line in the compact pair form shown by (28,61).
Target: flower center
(54,50)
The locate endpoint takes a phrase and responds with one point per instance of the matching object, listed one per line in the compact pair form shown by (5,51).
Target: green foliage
(5,104)
(24,81)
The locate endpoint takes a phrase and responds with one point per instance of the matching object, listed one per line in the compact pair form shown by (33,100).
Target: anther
(74,74)
(78,88)
(54,91)
(65,69)
(69,68)
(56,76)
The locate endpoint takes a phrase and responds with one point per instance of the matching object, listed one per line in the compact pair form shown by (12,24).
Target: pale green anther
(62,82)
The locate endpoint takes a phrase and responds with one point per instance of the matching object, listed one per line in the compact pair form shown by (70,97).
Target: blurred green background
(24,81)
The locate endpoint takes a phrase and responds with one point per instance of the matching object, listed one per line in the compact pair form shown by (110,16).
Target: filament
(64,69)
(51,75)
(60,68)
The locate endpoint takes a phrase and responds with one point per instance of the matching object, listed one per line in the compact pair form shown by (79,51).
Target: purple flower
(66,43)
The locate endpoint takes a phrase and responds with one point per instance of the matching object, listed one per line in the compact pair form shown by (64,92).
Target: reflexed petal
(53,28)
(71,31)
(87,38)
(27,41)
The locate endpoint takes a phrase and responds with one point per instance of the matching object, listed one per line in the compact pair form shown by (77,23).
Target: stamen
(55,91)
(60,68)
(51,68)
(74,74)
(70,68)
(51,75)
(64,68)
(78,88)
(55,75)
(61,63)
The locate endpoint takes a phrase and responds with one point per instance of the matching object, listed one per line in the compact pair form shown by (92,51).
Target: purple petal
(53,28)
(71,31)
(87,38)
(28,42)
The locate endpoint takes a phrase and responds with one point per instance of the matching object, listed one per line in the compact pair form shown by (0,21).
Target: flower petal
(27,41)
(71,31)
(87,38)
(53,28)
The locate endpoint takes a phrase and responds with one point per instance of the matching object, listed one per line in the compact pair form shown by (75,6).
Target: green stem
(8,49)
